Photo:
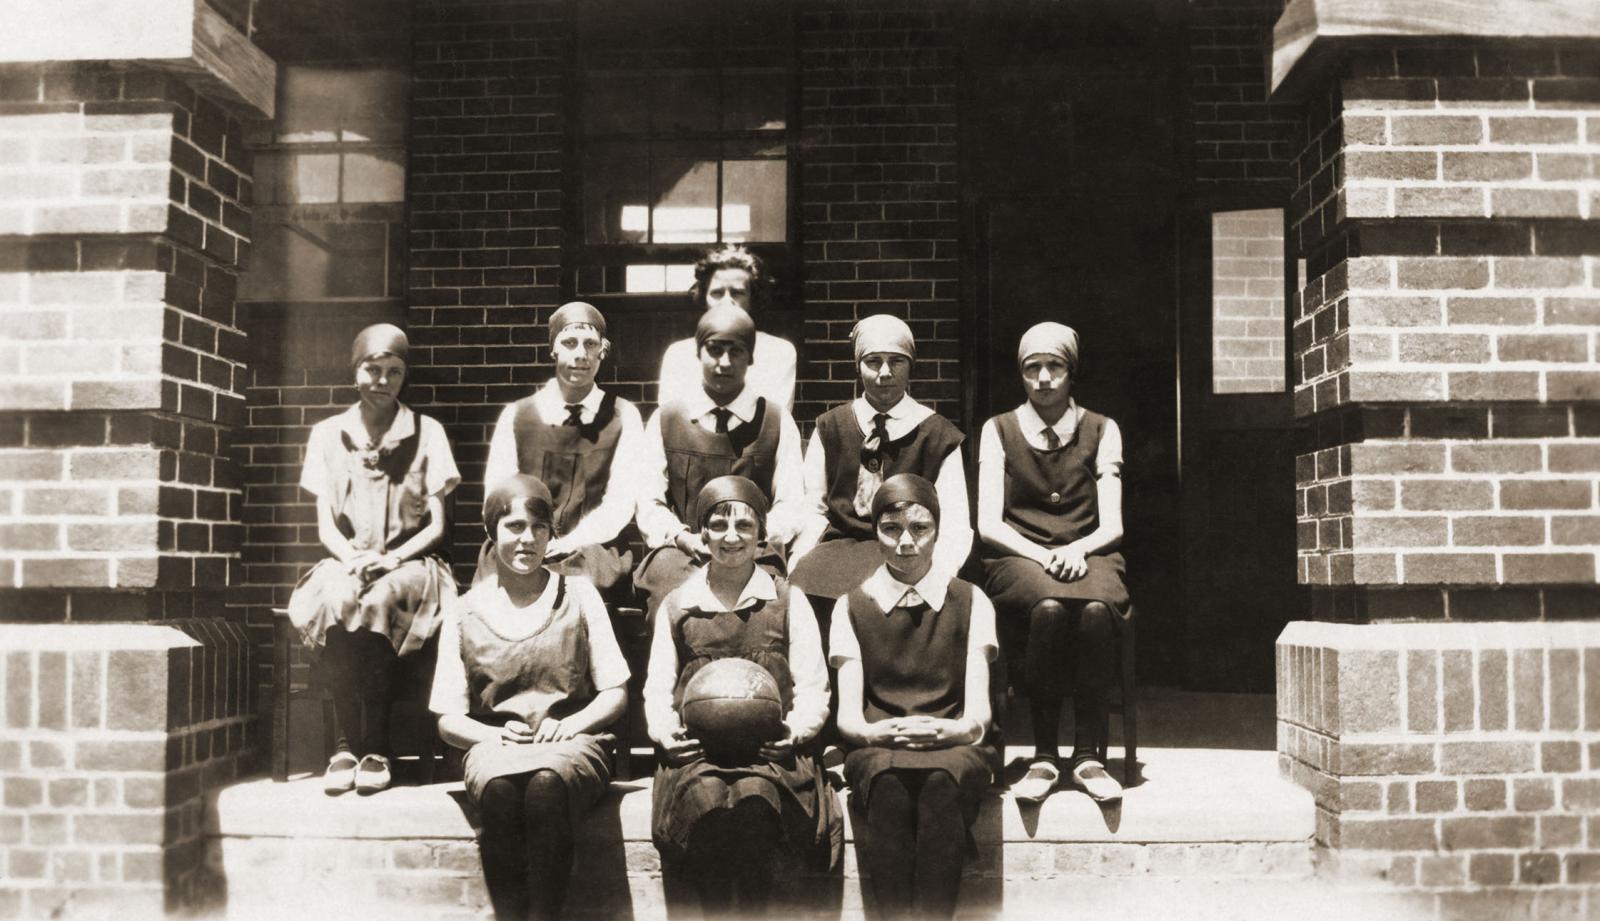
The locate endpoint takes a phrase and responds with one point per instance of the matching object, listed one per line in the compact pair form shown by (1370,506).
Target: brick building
(1336,264)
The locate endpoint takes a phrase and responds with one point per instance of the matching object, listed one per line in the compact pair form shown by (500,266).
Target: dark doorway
(1074,151)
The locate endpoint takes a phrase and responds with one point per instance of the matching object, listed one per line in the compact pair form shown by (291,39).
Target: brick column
(1448,209)
(124,197)
(878,196)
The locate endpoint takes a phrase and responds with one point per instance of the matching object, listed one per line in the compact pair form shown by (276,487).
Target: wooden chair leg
(1130,706)
(280,701)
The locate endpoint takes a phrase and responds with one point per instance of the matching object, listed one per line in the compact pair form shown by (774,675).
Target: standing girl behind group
(380,474)
(529,679)
(723,818)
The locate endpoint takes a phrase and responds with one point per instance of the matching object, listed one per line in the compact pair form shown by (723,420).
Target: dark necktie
(574,414)
(872,449)
(723,414)
(1052,441)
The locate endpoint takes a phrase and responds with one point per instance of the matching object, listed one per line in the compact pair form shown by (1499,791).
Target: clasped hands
(921,733)
(1067,564)
(516,732)
(369,565)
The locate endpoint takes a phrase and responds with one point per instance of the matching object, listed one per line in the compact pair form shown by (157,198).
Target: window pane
(1247,305)
(616,103)
(685,101)
(754,199)
(754,100)
(686,201)
(292,261)
(615,183)
(297,178)
(322,104)
(646,279)
(376,176)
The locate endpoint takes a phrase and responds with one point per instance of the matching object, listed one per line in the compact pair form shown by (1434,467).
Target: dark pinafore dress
(1051,499)
(695,457)
(797,789)
(575,462)
(914,662)
(527,677)
(848,552)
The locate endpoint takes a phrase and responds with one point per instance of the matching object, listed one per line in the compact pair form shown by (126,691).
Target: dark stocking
(1049,636)
(730,858)
(941,845)
(358,669)
(890,857)
(526,845)
(1094,665)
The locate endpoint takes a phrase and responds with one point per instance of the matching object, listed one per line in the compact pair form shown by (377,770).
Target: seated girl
(723,819)
(857,446)
(1050,514)
(380,473)
(529,679)
(913,648)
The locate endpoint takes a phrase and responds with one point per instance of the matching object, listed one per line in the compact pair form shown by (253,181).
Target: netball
(733,705)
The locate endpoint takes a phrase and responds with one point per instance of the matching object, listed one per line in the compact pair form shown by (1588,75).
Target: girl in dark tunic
(913,648)
(380,473)
(857,446)
(529,679)
(1050,513)
(723,818)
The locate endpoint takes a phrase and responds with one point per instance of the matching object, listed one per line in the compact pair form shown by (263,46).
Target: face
(885,377)
(520,541)
(723,364)
(732,533)
(379,379)
(906,537)
(578,351)
(728,286)
(1047,380)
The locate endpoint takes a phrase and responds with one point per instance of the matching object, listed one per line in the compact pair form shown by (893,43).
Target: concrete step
(1204,823)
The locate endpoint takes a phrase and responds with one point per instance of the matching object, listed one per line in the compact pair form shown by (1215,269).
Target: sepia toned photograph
(837,460)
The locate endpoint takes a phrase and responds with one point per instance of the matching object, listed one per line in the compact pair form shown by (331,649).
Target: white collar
(699,404)
(1033,426)
(402,427)
(552,403)
(886,590)
(697,593)
(903,416)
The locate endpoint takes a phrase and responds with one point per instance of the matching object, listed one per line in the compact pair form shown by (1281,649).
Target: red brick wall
(1239,136)
(1247,302)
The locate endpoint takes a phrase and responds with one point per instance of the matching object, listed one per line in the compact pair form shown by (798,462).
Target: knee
(889,793)
(546,797)
(1097,620)
(1048,611)
(940,791)
(497,801)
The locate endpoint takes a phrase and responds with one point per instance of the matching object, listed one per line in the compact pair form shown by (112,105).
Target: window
(1247,302)
(685,137)
(330,187)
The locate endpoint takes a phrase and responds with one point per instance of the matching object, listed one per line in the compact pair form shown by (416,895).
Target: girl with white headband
(1050,516)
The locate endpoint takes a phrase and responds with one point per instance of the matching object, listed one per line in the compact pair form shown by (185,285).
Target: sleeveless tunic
(529,677)
(914,662)
(841,561)
(1051,498)
(797,789)
(379,502)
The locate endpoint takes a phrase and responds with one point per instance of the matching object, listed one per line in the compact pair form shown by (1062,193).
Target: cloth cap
(905,487)
(520,490)
(1050,339)
(726,322)
(576,312)
(377,338)
(731,489)
(883,333)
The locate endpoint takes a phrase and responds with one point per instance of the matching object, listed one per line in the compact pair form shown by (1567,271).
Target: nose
(906,544)
(723,361)
(1044,376)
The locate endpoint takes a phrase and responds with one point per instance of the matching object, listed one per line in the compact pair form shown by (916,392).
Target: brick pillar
(124,197)
(1448,209)
(878,193)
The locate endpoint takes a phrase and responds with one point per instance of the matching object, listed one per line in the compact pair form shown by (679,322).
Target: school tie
(872,448)
(723,414)
(1052,441)
(574,414)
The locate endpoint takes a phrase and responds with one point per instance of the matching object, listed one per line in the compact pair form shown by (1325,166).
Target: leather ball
(732,706)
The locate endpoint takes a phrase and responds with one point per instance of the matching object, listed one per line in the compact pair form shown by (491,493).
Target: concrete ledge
(1309,30)
(186,36)
(1450,635)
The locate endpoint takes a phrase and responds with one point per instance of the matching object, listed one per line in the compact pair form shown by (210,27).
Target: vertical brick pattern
(1445,341)
(488,132)
(123,217)
(1247,302)
(1452,758)
(878,192)
(1240,137)
(113,735)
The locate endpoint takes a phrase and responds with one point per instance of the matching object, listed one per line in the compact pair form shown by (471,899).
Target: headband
(576,313)
(731,489)
(378,338)
(726,322)
(517,490)
(883,333)
(905,487)
(1050,339)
